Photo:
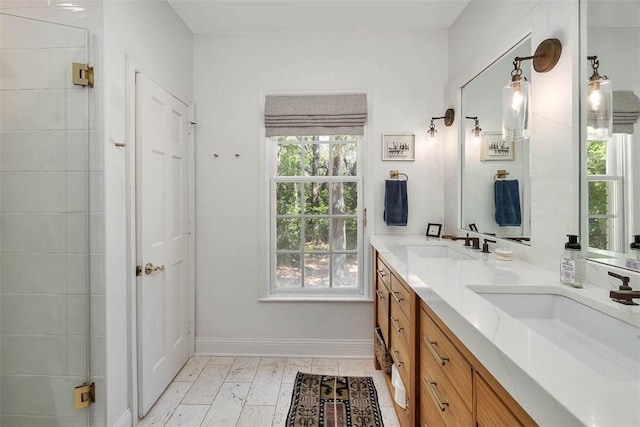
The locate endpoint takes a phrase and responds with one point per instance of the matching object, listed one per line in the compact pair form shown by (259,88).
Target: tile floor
(249,391)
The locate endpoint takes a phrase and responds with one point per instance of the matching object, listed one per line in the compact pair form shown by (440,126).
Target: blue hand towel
(507,200)
(396,208)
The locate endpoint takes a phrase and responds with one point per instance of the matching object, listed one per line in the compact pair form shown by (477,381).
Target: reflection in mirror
(495,173)
(611,179)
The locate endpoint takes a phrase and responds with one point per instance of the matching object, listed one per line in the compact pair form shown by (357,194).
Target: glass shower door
(44,223)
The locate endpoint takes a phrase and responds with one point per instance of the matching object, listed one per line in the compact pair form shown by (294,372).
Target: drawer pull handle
(432,346)
(396,297)
(431,385)
(381,273)
(380,294)
(397,362)
(397,325)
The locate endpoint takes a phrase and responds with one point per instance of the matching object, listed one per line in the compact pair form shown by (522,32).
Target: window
(607,192)
(316,238)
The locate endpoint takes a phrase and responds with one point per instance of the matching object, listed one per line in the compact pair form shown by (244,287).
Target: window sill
(315,298)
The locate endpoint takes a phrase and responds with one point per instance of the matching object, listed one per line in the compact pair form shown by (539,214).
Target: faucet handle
(625,281)
(485,246)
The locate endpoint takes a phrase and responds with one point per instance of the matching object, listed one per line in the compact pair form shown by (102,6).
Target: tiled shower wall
(47,167)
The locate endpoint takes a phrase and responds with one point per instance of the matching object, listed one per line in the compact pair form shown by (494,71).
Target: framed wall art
(399,146)
(496,148)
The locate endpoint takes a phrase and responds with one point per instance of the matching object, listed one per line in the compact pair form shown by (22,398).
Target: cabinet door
(491,410)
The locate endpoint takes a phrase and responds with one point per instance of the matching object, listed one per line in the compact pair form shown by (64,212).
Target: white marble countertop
(553,385)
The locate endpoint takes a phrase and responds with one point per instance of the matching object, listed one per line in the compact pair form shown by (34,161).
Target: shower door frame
(84,34)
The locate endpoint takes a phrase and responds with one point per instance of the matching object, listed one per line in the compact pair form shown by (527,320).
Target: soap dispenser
(572,264)
(633,258)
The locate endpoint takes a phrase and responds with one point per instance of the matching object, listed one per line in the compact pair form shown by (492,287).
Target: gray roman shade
(626,110)
(291,115)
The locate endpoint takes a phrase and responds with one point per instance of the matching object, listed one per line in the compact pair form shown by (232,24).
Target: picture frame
(495,148)
(433,230)
(399,147)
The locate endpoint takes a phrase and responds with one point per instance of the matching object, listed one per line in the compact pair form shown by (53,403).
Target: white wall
(403,73)
(482,32)
(479,36)
(150,35)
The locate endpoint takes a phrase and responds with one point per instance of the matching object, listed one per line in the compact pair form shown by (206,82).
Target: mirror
(610,176)
(490,159)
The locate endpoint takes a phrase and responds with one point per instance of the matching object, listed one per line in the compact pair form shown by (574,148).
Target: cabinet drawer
(383,273)
(435,345)
(401,295)
(442,395)
(429,410)
(401,358)
(382,312)
(491,410)
(399,322)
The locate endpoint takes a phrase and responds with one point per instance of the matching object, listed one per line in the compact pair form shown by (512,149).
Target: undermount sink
(605,343)
(428,251)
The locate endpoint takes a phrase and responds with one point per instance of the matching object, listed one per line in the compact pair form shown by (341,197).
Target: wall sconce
(600,105)
(476,132)
(516,94)
(448,121)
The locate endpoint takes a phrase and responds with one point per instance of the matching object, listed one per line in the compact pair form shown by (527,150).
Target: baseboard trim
(125,420)
(284,347)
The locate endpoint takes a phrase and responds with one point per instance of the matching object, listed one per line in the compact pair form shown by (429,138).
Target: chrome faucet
(625,294)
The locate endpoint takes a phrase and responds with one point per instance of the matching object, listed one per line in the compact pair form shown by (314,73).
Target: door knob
(150,268)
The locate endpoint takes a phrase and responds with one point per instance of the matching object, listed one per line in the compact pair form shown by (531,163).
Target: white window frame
(618,152)
(270,292)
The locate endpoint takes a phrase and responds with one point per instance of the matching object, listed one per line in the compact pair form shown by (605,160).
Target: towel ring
(394,174)
(500,174)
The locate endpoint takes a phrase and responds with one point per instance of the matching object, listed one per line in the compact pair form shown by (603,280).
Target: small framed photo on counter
(433,230)
(399,146)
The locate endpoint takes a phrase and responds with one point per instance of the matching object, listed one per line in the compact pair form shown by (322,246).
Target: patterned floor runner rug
(331,401)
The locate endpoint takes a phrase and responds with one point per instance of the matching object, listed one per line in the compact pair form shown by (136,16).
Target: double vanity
(479,341)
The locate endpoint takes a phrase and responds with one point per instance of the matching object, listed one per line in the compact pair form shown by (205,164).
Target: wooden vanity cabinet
(446,385)
(395,309)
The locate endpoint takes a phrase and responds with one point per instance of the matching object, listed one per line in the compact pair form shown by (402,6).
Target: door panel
(162,236)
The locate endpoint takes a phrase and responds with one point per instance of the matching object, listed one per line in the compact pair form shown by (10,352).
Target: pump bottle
(572,264)
(633,258)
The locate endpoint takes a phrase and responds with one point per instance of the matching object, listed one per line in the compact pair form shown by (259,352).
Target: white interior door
(162,210)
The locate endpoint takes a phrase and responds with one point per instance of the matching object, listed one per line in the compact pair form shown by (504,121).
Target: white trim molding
(125,420)
(284,347)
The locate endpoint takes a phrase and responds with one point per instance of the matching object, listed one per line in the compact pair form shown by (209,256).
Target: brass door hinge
(84,395)
(82,74)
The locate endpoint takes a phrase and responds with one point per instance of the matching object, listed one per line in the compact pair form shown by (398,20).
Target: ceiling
(269,16)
